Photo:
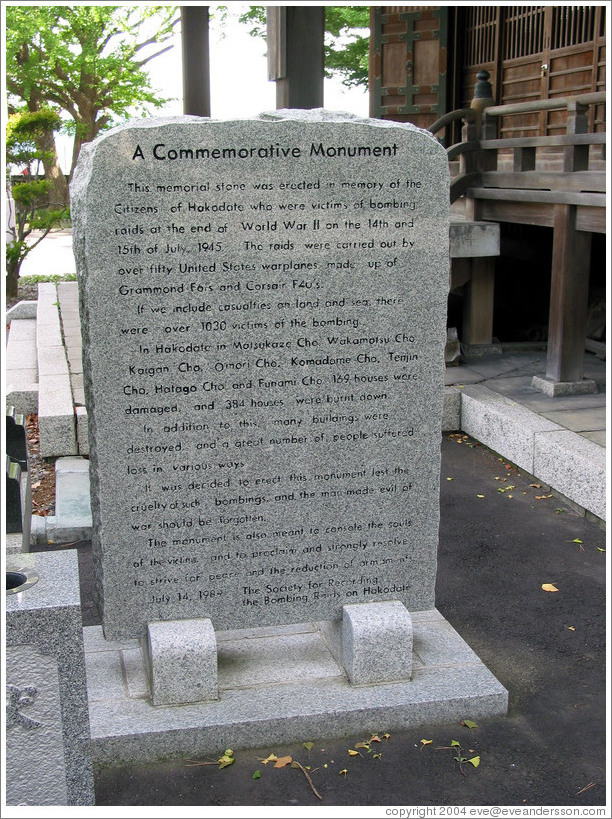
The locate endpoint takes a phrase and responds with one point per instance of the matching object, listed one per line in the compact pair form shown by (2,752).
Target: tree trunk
(12,277)
(76,148)
(58,193)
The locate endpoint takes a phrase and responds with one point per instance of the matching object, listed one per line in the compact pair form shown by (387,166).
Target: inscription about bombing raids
(263,310)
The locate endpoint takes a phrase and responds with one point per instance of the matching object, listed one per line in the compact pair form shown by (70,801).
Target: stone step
(22,365)
(56,419)
(571,464)
(72,520)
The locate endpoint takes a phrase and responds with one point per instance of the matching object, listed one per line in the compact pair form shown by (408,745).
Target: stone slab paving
(22,366)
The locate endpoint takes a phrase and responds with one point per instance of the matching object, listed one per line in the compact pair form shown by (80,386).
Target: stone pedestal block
(182,657)
(554,388)
(377,642)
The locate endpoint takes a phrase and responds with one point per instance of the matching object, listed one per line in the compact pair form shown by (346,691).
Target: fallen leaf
(599,549)
(376,756)
(475,761)
(343,772)
(353,753)
(308,745)
(425,742)
(373,738)
(271,758)
(549,587)
(256,774)
(571,628)
(362,745)
(469,724)
(386,736)
(449,479)
(480,496)
(576,540)
(225,761)
(282,761)
(536,485)
(455,744)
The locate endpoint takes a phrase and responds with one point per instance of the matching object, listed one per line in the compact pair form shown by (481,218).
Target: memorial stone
(263,308)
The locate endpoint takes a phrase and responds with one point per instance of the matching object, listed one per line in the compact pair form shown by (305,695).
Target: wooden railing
(536,180)
(509,169)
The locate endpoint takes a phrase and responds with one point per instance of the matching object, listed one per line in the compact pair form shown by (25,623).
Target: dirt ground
(502,537)
(25,292)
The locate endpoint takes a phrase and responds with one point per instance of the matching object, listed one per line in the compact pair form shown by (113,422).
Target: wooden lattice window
(572,25)
(480,34)
(524,31)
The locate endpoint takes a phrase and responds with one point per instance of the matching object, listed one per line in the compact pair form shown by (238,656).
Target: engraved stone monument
(48,756)
(263,309)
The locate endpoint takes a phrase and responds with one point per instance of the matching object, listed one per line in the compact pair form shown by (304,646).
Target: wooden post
(478,303)
(480,289)
(196,70)
(571,262)
(576,157)
(568,297)
(295,59)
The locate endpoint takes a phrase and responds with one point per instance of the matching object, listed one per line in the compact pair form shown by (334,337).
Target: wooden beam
(568,298)
(569,197)
(520,213)
(301,41)
(547,180)
(196,70)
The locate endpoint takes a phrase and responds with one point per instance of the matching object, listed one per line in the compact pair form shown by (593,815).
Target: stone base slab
(556,388)
(471,352)
(280,685)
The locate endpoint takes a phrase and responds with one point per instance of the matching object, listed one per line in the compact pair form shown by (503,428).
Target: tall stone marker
(263,313)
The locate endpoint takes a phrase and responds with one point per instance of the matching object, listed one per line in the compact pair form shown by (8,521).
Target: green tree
(86,60)
(346,49)
(25,131)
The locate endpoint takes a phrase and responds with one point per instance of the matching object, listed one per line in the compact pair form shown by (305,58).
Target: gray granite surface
(48,756)
(280,685)
(263,310)
(182,659)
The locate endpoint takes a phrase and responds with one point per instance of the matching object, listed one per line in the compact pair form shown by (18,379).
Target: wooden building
(424,60)
(533,161)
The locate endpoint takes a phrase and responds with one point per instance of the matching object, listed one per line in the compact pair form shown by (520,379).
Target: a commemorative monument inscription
(263,308)
(263,312)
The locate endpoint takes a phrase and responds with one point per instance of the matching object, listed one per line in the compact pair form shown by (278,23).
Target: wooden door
(409,55)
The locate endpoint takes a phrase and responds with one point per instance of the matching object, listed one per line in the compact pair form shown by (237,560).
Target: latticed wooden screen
(535,52)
